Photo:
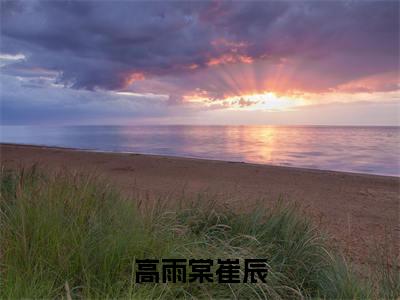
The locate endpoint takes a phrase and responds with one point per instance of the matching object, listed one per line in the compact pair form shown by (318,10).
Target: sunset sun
(264,101)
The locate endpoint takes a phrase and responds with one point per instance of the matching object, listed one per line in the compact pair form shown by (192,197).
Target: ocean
(371,150)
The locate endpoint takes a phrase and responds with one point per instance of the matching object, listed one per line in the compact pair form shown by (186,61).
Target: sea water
(373,150)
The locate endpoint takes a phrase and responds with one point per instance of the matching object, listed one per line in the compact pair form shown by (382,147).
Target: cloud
(27,101)
(384,82)
(182,46)
(79,62)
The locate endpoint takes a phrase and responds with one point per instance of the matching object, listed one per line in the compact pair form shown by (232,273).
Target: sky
(199,62)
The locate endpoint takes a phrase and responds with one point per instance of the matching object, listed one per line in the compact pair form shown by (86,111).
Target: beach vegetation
(73,235)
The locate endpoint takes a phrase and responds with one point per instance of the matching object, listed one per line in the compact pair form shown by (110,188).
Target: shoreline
(358,211)
(304,169)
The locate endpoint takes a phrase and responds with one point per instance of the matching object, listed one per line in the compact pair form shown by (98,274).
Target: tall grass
(71,235)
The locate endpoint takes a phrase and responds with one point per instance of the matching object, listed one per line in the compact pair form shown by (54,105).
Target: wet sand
(359,212)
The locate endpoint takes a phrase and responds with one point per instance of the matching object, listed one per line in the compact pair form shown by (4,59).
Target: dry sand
(359,211)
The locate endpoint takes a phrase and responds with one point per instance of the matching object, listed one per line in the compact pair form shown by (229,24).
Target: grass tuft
(73,236)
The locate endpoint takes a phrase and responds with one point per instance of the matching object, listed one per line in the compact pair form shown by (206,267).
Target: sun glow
(259,101)
(263,101)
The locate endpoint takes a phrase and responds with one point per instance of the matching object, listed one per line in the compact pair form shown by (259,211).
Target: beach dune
(360,212)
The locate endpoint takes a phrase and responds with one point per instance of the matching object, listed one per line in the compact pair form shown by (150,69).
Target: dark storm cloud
(98,44)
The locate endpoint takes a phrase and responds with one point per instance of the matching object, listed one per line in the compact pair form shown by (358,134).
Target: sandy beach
(359,211)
